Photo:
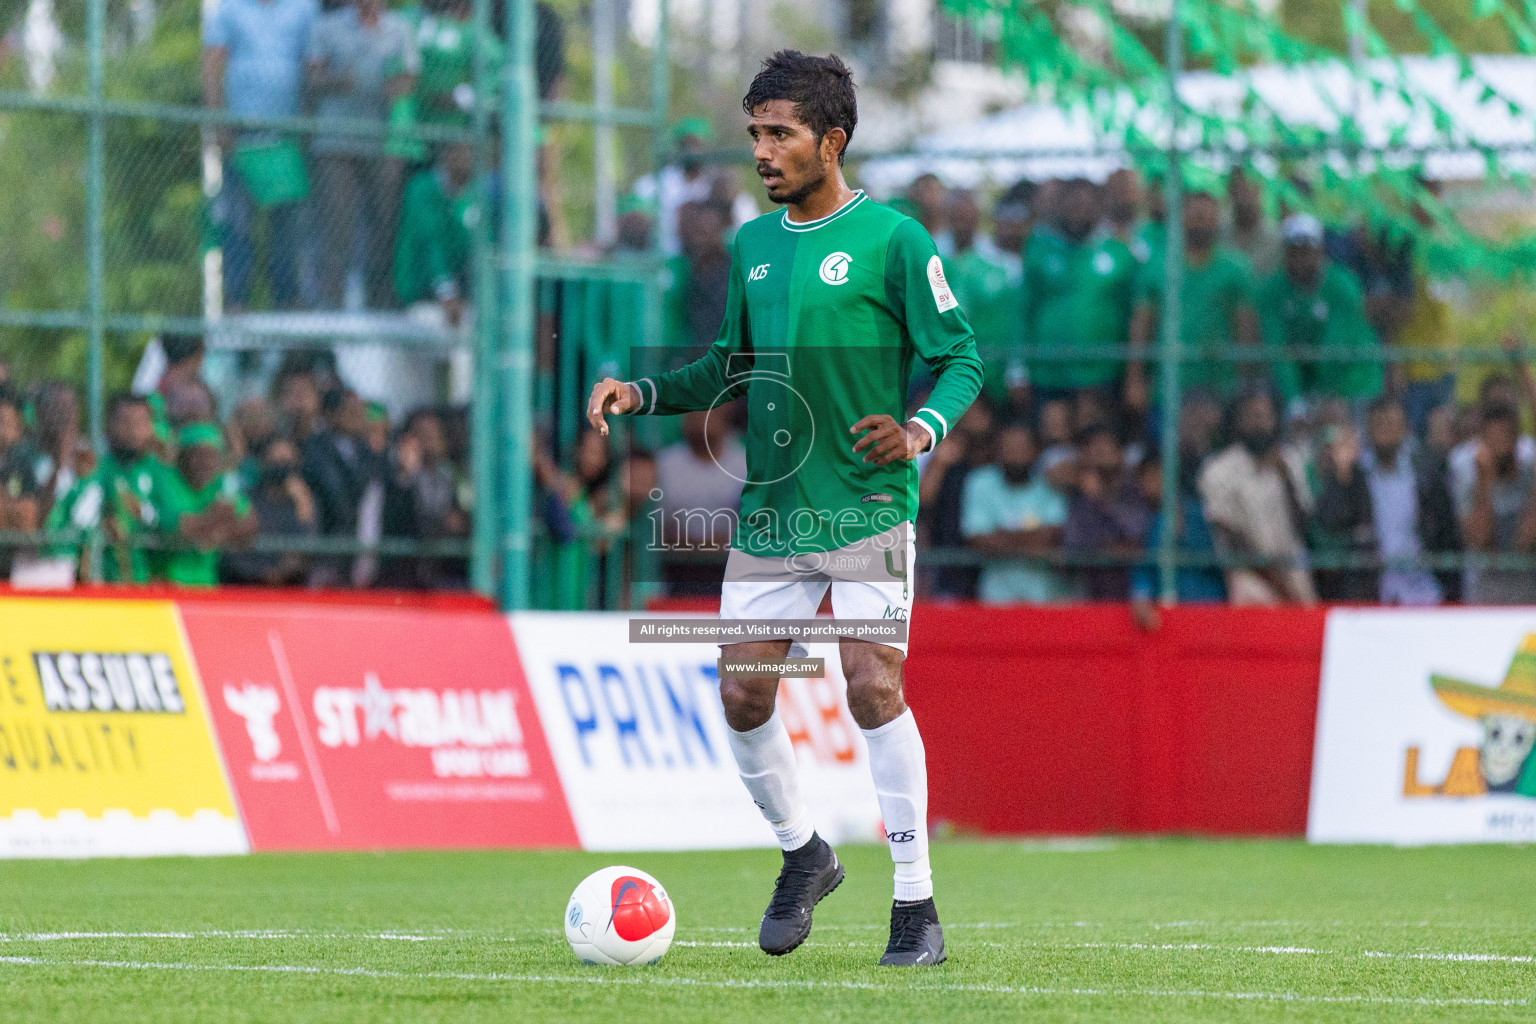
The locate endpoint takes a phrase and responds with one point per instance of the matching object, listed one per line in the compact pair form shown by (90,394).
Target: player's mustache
(763,171)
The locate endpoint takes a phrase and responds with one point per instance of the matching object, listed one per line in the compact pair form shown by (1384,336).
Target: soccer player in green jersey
(830,302)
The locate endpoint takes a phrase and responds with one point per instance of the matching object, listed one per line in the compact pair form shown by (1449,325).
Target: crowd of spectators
(1310,467)
(179,497)
(347,218)
(1312,464)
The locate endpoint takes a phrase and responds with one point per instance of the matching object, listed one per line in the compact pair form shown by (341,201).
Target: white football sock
(765,758)
(900,769)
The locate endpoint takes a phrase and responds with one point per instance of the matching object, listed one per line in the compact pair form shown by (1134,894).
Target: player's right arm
(702,384)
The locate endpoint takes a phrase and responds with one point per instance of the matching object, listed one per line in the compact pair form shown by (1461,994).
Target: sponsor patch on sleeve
(943,297)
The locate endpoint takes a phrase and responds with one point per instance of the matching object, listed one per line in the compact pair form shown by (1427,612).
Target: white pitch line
(760,983)
(217,933)
(1457,957)
(1305,951)
(465,934)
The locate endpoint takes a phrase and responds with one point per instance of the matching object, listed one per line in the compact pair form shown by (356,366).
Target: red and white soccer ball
(619,916)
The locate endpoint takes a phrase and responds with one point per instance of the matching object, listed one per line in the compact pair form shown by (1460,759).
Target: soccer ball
(619,915)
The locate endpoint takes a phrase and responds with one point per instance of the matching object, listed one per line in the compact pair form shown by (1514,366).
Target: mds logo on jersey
(758,272)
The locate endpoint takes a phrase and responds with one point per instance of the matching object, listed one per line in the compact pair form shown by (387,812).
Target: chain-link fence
(390,272)
(271,299)
(1281,308)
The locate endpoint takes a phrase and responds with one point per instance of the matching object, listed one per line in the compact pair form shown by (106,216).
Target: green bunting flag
(1338,172)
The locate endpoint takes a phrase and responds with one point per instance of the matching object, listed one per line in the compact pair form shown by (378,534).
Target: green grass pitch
(1143,931)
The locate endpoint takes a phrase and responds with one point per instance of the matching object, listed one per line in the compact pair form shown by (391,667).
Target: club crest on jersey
(943,297)
(834,269)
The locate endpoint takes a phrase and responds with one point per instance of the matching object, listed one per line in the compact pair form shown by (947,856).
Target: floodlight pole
(1173,284)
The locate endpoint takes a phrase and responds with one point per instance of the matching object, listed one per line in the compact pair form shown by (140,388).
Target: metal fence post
(661,102)
(483,447)
(95,242)
(1173,283)
(520,112)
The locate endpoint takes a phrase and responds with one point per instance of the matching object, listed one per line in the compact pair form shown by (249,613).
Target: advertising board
(377,728)
(639,736)
(105,746)
(1425,727)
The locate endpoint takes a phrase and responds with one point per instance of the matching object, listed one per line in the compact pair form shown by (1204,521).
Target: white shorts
(870,579)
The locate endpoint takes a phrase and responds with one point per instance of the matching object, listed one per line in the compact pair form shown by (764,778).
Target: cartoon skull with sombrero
(1507,714)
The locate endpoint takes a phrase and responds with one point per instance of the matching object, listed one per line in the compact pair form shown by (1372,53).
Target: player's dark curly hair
(821,88)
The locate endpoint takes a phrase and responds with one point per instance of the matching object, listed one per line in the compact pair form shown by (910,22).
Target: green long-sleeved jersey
(823,323)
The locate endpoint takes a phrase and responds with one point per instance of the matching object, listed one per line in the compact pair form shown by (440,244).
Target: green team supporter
(197,567)
(990,301)
(823,322)
(1213,293)
(78,508)
(445,86)
(1332,315)
(1076,295)
(432,247)
(134,496)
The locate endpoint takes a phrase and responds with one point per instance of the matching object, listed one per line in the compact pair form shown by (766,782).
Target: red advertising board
(375,728)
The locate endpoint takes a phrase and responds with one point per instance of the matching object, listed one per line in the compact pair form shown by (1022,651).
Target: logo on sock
(902,837)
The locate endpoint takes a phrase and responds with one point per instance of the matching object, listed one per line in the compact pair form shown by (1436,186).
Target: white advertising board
(639,738)
(1425,727)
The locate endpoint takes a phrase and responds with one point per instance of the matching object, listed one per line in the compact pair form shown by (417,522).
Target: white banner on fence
(1425,727)
(639,738)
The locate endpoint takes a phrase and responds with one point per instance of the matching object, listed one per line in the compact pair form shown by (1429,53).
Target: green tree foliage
(1321,22)
(153,201)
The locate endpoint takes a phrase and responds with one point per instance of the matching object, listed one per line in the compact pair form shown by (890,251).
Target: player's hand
(610,398)
(888,441)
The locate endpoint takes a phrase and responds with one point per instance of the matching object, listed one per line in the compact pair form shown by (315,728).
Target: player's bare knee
(874,683)
(748,703)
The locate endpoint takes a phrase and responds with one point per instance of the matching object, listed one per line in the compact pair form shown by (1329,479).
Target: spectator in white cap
(1314,304)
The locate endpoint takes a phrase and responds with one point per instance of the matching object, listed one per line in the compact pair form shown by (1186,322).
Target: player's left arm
(917,291)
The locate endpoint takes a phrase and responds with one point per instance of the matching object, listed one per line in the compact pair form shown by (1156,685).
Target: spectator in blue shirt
(1010,512)
(253,53)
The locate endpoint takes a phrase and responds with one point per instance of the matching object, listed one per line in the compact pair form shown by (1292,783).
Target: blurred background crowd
(1314,461)
(1332,445)
(182,496)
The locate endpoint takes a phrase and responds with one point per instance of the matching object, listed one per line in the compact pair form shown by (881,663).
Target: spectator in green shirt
(1076,293)
(982,284)
(445,39)
(699,277)
(133,487)
(1314,302)
(1216,308)
(437,219)
(203,508)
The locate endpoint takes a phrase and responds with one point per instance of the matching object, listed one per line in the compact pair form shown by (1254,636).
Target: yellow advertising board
(105,743)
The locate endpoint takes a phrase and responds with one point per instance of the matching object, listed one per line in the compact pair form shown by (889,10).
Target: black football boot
(916,935)
(809,873)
